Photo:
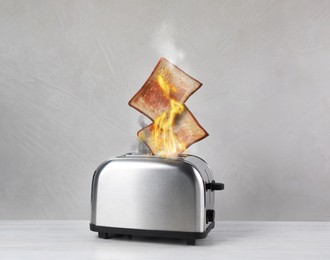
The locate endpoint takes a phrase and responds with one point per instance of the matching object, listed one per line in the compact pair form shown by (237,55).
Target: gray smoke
(139,146)
(164,43)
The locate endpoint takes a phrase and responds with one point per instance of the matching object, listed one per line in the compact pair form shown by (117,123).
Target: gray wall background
(68,69)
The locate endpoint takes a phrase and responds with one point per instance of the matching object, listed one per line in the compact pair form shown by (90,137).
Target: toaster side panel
(94,190)
(148,194)
(207,175)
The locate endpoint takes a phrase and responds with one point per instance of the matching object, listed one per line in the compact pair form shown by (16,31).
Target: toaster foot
(191,242)
(105,235)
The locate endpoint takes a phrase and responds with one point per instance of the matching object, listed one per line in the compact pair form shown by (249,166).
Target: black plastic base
(108,232)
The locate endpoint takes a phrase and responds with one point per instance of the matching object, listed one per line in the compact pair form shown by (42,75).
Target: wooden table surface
(45,239)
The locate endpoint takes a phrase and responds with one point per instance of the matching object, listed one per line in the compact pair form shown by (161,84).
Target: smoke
(139,145)
(163,41)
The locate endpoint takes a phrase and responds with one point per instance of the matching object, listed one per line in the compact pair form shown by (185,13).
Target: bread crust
(199,131)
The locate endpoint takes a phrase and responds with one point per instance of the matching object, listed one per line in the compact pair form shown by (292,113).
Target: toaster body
(151,196)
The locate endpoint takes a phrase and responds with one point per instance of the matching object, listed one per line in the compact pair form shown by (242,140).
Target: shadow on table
(143,239)
(220,235)
(230,232)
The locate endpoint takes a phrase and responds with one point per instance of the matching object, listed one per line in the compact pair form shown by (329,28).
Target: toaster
(142,195)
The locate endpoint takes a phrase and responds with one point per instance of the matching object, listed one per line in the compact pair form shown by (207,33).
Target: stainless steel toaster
(151,196)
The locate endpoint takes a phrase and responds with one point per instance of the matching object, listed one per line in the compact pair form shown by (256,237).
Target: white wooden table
(48,240)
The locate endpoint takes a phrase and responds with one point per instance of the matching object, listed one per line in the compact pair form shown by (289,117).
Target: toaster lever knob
(214,186)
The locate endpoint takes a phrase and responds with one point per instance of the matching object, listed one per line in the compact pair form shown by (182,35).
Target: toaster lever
(214,186)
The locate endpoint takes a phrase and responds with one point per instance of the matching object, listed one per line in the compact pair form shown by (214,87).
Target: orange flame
(163,135)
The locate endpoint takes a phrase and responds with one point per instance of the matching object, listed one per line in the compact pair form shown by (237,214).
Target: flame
(163,136)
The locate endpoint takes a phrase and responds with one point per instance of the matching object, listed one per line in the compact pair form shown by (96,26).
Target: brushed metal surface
(151,193)
(208,177)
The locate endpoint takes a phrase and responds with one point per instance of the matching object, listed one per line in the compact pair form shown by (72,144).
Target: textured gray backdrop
(68,69)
